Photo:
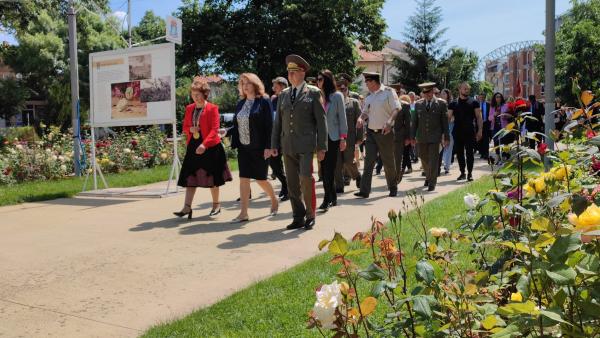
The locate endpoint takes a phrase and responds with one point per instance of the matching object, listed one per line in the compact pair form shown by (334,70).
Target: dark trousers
(484,143)
(276,164)
(345,166)
(429,154)
(377,143)
(328,167)
(464,144)
(407,159)
(399,158)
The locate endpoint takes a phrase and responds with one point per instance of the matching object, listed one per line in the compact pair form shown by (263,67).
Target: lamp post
(549,72)
(74,85)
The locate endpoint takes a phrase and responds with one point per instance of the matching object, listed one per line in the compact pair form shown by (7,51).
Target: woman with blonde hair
(205,163)
(251,136)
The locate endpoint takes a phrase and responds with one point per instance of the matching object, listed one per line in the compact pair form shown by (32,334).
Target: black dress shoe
(295,225)
(333,204)
(284,198)
(470,177)
(431,188)
(393,193)
(461,177)
(360,194)
(408,171)
(426,183)
(324,206)
(339,191)
(422,173)
(309,224)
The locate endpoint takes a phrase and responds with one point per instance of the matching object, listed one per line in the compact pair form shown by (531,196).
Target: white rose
(471,201)
(48,150)
(19,146)
(61,158)
(328,299)
(127,150)
(54,157)
(438,232)
(63,167)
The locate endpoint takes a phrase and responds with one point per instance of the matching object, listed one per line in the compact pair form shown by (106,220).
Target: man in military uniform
(402,135)
(430,127)
(300,129)
(349,79)
(345,162)
(380,109)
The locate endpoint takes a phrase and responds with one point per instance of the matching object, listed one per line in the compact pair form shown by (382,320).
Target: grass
(278,306)
(47,190)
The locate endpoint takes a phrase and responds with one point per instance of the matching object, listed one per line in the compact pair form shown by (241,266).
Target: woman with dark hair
(337,130)
(251,136)
(205,163)
(499,117)
(447,155)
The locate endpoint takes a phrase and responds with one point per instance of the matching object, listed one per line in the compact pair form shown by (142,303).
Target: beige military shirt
(379,107)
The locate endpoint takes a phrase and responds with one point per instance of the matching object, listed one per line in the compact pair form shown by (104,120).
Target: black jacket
(261,125)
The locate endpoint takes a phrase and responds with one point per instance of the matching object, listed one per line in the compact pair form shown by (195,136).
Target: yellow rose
(560,173)
(529,190)
(438,232)
(587,220)
(516,297)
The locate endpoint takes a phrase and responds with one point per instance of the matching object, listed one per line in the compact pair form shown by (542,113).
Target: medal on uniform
(196,135)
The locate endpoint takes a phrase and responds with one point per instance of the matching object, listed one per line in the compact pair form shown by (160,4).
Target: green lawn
(47,190)
(278,306)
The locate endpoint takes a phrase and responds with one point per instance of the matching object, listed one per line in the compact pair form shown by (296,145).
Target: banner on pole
(174,28)
(134,86)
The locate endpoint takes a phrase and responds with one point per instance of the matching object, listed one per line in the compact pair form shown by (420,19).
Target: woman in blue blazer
(251,136)
(337,130)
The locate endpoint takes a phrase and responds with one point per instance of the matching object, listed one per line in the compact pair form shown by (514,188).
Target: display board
(174,29)
(134,86)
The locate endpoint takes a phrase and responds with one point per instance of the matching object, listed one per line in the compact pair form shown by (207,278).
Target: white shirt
(380,105)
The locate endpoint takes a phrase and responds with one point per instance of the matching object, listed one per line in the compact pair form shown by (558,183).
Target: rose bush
(522,261)
(51,157)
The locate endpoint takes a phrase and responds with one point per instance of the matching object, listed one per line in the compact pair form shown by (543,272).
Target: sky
(479,25)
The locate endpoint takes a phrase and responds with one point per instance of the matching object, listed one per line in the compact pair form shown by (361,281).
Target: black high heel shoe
(215,211)
(183,213)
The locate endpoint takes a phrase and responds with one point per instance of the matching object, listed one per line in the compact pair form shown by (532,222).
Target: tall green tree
(150,27)
(577,46)
(424,45)
(456,66)
(13,95)
(252,35)
(41,55)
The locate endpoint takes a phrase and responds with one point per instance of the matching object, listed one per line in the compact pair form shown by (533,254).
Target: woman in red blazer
(205,162)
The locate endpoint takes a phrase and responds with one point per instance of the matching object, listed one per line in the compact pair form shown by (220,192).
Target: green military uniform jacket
(402,124)
(300,127)
(430,126)
(353,112)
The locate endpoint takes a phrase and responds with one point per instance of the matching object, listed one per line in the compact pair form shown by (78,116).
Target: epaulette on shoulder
(313,88)
(420,101)
(286,90)
(442,100)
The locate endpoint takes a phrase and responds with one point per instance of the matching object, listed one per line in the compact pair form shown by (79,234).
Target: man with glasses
(380,110)
(345,162)
(300,129)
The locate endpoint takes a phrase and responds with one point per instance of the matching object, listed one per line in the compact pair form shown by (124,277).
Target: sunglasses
(319,79)
(343,88)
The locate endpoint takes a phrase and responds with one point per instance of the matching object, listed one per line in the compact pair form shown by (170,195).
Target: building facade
(515,75)
(380,61)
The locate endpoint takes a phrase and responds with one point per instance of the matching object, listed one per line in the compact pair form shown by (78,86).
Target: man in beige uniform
(430,127)
(380,109)
(299,129)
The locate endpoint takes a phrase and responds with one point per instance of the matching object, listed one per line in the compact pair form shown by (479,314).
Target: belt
(375,130)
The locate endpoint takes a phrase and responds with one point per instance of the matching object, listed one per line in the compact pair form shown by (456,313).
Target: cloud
(120,15)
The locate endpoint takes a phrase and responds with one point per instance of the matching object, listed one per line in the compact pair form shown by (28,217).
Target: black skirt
(207,170)
(252,163)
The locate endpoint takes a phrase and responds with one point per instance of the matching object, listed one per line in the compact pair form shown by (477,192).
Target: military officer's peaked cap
(371,76)
(345,77)
(296,63)
(396,85)
(427,86)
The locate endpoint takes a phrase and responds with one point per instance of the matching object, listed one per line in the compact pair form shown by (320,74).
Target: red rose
(590,134)
(542,148)
(147,155)
(134,142)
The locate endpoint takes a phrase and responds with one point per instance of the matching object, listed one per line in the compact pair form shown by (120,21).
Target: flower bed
(51,157)
(533,242)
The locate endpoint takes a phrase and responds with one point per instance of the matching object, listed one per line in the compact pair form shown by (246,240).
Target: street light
(549,71)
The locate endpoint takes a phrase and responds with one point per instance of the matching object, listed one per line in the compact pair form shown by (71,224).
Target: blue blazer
(337,126)
(261,125)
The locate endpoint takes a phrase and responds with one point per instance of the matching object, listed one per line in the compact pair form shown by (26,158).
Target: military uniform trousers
(301,184)
(345,164)
(377,143)
(429,153)
(399,157)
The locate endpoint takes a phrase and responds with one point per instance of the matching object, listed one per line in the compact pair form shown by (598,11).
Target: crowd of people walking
(323,117)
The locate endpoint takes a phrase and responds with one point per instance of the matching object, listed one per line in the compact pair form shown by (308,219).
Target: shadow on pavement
(89,202)
(242,240)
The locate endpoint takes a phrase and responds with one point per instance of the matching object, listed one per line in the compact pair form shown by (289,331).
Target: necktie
(428,105)
(293,95)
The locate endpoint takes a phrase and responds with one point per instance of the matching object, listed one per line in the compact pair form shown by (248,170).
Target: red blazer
(209,124)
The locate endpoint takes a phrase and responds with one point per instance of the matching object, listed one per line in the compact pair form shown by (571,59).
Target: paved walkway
(107,267)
